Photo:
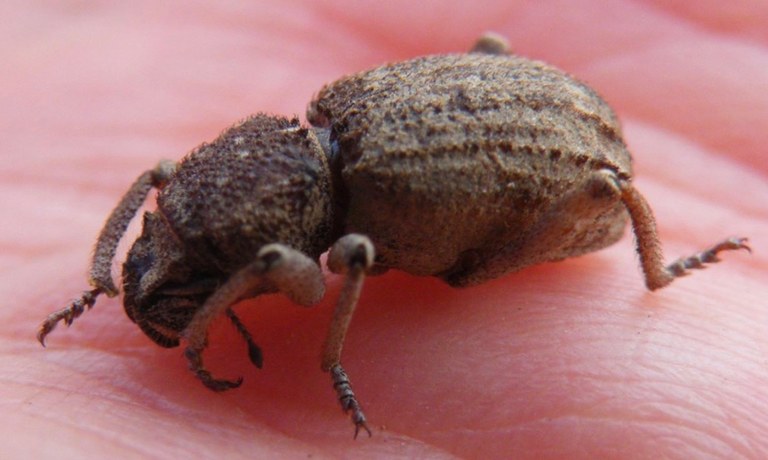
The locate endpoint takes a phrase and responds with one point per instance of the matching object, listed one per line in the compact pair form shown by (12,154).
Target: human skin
(572,359)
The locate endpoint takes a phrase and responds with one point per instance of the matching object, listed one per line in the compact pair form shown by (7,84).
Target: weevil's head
(161,291)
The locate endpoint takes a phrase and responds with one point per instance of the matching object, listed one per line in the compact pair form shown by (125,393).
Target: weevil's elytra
(465,167)
(505,133)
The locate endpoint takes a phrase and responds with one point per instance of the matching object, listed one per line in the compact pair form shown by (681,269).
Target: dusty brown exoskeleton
(465,167)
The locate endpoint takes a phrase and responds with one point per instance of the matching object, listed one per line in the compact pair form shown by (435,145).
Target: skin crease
(573,359)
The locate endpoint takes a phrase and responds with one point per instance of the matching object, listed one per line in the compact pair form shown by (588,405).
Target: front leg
(106,246)
(276,267)
(352,255)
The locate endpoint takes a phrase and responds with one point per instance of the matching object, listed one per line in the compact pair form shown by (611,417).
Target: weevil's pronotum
(464,166)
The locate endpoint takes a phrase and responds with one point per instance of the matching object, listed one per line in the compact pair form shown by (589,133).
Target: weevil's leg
(117,223)
(679,267)
(276,267)
(106,246)
(75,309)
(491,43)
(254,352)
(657,275)
(351,255)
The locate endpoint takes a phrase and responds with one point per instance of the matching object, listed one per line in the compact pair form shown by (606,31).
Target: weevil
(461,166)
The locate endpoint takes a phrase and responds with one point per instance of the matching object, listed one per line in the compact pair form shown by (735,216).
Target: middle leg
(352,255)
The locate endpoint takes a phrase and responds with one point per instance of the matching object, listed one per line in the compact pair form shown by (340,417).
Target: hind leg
(658,275)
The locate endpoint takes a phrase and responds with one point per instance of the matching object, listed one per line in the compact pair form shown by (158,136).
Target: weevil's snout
(164,318)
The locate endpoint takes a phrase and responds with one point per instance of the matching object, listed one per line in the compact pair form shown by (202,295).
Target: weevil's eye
(334,153)
(139,263)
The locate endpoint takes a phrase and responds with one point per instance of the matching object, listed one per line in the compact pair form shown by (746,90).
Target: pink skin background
(573,359)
